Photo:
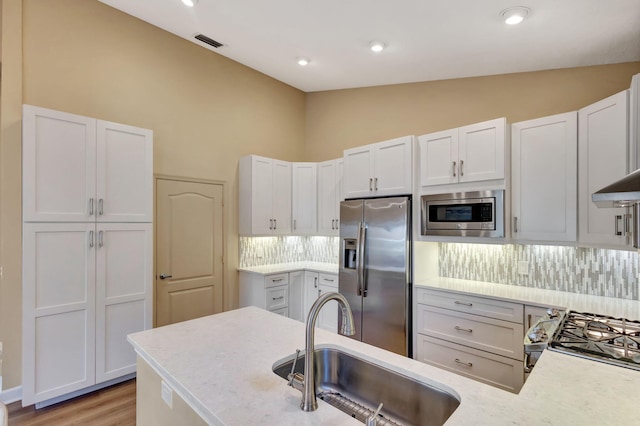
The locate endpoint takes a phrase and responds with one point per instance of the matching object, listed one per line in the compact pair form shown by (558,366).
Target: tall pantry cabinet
(87,251)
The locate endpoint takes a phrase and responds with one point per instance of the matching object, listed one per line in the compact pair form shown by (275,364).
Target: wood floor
(115,405)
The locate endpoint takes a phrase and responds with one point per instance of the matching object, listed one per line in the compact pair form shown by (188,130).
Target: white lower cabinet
(485,345)
(270,292)
(85,287)
(291,294)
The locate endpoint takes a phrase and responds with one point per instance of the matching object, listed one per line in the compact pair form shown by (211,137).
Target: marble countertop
(331,268)
(611,306)
(222,366)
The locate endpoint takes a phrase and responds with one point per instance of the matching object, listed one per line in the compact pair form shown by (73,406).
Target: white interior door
(189,250)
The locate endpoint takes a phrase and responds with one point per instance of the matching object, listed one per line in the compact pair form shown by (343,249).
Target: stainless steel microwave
(464,214)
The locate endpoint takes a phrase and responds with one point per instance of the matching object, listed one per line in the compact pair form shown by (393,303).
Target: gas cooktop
(599,337)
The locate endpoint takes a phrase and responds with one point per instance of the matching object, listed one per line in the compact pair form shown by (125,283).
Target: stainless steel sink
(357,387)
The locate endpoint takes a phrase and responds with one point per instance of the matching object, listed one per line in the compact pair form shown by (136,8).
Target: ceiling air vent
(209,41)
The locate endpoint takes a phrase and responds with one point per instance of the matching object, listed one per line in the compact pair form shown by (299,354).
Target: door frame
(225,232)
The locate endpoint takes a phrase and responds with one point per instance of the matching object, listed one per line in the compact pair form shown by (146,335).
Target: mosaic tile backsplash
(258,251)
(599,272)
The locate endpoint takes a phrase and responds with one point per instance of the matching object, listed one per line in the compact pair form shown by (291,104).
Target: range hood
(622,193)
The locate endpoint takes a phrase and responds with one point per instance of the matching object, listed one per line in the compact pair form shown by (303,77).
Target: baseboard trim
(80,392)
(11,395)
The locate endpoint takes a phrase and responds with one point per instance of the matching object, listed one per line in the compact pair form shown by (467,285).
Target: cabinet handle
(375,185)
(461,164)
(327,279)
(454,169)
(627,226)
(100,239)
(90,206)
(275,223)
(165,276)
(333,224)
(277,280)
(294,224)
(277,298)
(319,292)
(270,223)
(468,364)
(337,223)
(529,318)
(617,220)
(315,282)
(100,206)
(90,239)
(457,302)
(515,224)
(466,330)
(370,184)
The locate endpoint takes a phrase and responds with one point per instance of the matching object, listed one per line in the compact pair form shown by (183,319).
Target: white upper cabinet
(79,169)
(634,123)
(265,196)
(329,196)
(380,169)
(466,154)
(603,145)
(544,178)
(304,198)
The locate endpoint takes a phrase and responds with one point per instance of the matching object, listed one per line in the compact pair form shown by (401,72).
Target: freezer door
(350,265)
(386,292)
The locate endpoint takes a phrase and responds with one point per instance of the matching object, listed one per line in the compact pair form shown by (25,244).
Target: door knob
(165,276)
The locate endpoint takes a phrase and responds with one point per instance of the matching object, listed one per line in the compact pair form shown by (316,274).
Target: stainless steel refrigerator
(375,270)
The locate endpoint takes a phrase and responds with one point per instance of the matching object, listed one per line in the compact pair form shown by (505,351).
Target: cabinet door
(311,292)
(545,178)
(393,167)
(358,172)
(58,310)
(281,190)
(327,198)
(339,184)
(438,158)
(481,151)
(328,316)
(124,277)
(124,179)
(296,295)
(260,192)
(634,123)
(304,201)
(59,166)
(602,157)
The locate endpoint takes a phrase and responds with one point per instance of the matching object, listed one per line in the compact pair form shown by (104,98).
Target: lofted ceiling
(426,39)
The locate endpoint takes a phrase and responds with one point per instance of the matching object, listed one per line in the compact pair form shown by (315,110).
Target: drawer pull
(467,364)
(277,298)
(327,279)
(457,302)
(277,280)
(466,330)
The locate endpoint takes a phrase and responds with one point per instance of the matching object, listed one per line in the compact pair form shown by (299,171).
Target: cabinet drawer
(282,311)
(277,297)
(495,370)
(507,311)
(329,280)
(276,279)
(487,334)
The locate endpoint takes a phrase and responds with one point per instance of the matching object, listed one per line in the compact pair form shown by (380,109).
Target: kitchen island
(220,368)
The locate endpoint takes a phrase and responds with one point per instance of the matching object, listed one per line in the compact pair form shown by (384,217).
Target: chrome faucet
(306,383)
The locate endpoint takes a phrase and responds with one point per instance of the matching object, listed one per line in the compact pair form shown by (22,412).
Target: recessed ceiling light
(303,62)
(190,3)
(377,46)
(515,15)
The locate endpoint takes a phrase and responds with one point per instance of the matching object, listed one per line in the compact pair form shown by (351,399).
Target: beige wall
(342,119)
(206,111)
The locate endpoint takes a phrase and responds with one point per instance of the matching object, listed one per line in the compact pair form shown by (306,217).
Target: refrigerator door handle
(358,258)
(362,243)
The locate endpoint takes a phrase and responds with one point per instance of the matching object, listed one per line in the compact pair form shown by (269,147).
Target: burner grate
(609,339)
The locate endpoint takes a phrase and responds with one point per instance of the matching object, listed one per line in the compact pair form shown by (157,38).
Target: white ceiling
(426,39)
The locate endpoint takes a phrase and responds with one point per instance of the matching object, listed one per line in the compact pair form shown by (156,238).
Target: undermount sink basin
(357,387)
